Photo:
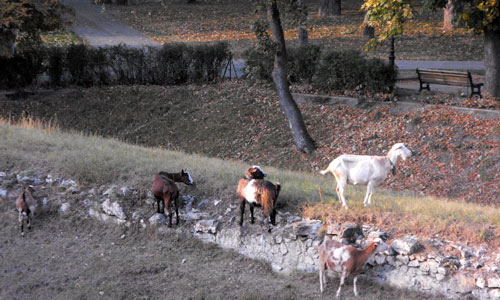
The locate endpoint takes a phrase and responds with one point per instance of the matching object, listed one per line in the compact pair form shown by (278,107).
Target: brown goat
(345,260)
(165,191)
(25,205)
(257,192)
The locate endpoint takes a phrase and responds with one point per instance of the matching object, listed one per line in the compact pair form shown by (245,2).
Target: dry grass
(95,160)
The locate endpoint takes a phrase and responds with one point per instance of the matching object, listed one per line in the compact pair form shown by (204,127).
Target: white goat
(364,169)
(345,260)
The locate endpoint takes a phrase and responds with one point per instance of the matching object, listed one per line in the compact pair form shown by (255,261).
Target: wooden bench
(444,77)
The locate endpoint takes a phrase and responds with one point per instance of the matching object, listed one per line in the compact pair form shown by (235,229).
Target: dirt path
(99,28)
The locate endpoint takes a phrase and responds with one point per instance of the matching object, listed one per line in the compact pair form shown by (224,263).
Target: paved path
(100,29)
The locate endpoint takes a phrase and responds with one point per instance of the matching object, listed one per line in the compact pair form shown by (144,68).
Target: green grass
(95,160)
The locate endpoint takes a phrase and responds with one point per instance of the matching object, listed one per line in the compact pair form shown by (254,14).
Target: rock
(429,267)
(3,174)
(113,209)
(188,201)
(45,203)
(494,293)
(466,252)
(156,219)
(407,245)
(414,264)
(216,202)
(207,226)
(125,191)
(64,208)
(481,251)
(293,219)
(480,282)
(74,189)
(193,215)
(462,283)
(494,282)
(3,194)
(202,204)
(87,202)
(68,183)
(307,228)
(440,277)
(379,234)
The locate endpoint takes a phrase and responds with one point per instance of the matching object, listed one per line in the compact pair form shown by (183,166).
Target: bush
(259,64)
(348,70)
(55,68)
(21,69)
(86,66)
(303,62)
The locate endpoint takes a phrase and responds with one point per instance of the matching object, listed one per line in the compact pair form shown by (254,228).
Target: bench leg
(426,87)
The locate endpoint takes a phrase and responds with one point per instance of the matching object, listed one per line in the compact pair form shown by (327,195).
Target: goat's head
(186,178)
(255,172)
(380,244)
(399,149)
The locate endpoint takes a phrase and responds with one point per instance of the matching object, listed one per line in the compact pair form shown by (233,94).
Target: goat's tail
(278,189)
(24,197)
(268,197)
(325,171)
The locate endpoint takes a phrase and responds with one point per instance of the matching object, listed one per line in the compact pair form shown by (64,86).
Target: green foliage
(22,21)
(481,15)
(348,70)
(387,17)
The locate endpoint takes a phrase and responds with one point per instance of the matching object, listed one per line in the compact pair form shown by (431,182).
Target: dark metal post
(392,57)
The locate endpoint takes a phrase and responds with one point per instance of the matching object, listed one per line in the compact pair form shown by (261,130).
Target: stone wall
(431,265)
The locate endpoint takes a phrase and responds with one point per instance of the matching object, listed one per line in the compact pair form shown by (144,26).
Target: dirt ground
(74,257)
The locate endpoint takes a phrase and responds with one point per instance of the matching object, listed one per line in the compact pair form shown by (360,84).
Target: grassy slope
(455,155)
(96,160)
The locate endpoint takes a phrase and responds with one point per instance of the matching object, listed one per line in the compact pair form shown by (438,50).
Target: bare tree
(303,35)
(302,139)
(330,8)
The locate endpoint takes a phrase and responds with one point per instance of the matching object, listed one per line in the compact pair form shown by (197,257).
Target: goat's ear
(182,171)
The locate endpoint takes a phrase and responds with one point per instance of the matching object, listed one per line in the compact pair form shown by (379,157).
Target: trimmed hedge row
(330,71)
(86,66)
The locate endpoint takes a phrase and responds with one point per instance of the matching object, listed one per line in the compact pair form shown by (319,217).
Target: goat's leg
(321,279)
(21,222)
(242,210)
(342,278)
(369,192)
(341,185)
(176,203)
(158,201)
(272,216)
(252,219)
(167,206)
(28,221)
(354,282)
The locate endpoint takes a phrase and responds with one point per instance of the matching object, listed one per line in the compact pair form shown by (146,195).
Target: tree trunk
(330,8)
(492,62)
(302,139)
(303,35)
(450,13)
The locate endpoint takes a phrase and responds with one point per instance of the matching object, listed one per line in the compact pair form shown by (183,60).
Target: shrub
(303,62)
(207,61)
(79,65)
(55,68)
(21,69)
(349,70)
(259,64)
(173,64)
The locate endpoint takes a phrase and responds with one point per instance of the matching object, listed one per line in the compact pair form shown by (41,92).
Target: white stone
(3,174)
(3,194)
(494,282)
(283,248)
(68,183)
(414,264)
(480,282)
(406,245)
(113,209)
(494,293)
(125,191)
(64,208)
(207,226)
(157,219)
